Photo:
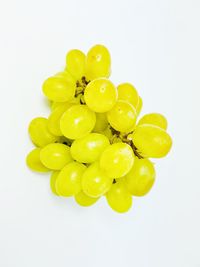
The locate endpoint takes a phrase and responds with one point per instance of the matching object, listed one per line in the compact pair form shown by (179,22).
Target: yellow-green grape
(98,62)
(77,121)
(85,201)
(127,92)
(53,180)
(55,156)
(101,122)
(154,119)
(95,182)
(59,89)
(89,148)
(117,160)
(118,197)
(39,132)
(100,95)
(68,182)
(122,116)
(139,106)
(141,177)
(33,161)
(75,61)
(151,141)
(54,118)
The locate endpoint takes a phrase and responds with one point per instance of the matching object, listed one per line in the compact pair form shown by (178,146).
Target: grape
(117,160)
(100,95)
(59,89)
(118,197)
(101,122)
(39,132)
(127,92)
(95,182)
(54,118)
(55,156)
(141,177)
(77,121)
(69,179)
(33,161)
(55,105)
(75,61)
(98,62)
(89,148)
(151,141)
(83,200)
(154,119)
(65,74)
(53,180)
(139,106)
(122,116)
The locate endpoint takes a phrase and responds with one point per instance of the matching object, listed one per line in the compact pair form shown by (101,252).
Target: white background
(156,46)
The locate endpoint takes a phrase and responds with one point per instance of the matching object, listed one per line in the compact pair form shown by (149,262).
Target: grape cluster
(92,141)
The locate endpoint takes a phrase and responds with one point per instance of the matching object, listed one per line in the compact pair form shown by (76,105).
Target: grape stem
(80,86)
(124,138)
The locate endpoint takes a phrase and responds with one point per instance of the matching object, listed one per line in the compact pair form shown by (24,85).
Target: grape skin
(33,161)
(77,122)
(95,182)
(141,177)
(151,141)
(68,182)
(100,95)
(39,132)
(89,148)
(118,197)
(117,160)
(98,62)
(55,156)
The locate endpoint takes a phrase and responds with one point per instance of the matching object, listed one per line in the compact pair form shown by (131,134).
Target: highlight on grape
(93,142)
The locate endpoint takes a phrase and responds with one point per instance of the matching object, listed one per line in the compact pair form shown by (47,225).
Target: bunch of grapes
(92,141)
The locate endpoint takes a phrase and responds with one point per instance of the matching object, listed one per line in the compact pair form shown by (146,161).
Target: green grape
(68,182)
(55,156)
(139,106)
(118,197)
(85,201)
(98,62)
(59,89)
(100,95)
(75,61)
(122,116)
(95,182)
(53,180)
(151,141)
(117,160)
(39,133)
(89,148)
(127,92)
(154,119)
(141,177)
(54,118)
(77,121)
(33,161)
(101,122)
